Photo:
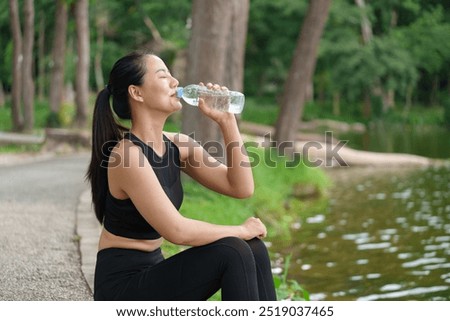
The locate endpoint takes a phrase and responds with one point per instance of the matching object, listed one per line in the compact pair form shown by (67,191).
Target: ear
(135,93)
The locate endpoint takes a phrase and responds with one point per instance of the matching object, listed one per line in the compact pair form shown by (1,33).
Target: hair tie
(108,89)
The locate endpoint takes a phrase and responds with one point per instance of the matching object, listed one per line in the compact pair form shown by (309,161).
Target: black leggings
(240,268)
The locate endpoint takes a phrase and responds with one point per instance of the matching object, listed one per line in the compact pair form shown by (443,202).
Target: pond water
(385,235)
(423,140)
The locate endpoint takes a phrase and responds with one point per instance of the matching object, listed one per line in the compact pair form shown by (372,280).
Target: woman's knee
(235,243)
(235,248)
(258,248)
(254,246)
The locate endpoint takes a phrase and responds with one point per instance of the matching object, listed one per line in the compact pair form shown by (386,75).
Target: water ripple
(373,246)
(390,287)
(399,294)
(423,261)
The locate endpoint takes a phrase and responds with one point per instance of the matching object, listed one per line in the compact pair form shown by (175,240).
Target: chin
(174,109)
(179,107)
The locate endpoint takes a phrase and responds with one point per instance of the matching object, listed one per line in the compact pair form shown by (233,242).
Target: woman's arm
(138,181)
(235,178)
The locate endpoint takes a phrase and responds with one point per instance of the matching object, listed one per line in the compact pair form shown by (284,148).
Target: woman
(136,191)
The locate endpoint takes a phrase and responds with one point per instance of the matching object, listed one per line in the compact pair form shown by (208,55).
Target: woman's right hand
(253,227)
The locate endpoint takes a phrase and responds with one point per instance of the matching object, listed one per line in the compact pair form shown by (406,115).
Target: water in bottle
(223,100)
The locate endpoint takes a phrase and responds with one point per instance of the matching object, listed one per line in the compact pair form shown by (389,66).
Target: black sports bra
(121,216)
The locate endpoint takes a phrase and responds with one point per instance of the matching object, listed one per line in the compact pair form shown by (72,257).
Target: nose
(175,82)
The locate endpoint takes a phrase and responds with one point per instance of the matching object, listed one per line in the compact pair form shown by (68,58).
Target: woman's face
(159,87)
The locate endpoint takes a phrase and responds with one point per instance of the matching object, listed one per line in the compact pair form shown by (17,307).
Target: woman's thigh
(197,273)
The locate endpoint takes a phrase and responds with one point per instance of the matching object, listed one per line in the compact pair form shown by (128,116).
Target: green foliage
(272,35)
(324,110)
(260,110)
(427,40)
(126,30)
(358,67)
(5,118)
(408,52)
(41,112)
(409,44)
(289,289)
(63,118)
(417,116)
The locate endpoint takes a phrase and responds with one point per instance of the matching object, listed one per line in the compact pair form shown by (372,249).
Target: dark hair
(106,131)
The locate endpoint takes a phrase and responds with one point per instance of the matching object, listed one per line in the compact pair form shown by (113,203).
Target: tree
(23,83)
(2,96)
(28,82)
(236,45)
(301,71)
(58,55)
(367,35)
(16,90)
(216,55)
(82,74)
(101,25)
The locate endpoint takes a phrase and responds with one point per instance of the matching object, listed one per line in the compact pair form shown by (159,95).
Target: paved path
(42,203)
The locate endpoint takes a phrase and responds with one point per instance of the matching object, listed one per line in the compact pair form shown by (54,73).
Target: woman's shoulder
(177,137)
(124,154)
(185,144)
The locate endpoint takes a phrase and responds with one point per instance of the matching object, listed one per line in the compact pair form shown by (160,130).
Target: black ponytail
(106,131)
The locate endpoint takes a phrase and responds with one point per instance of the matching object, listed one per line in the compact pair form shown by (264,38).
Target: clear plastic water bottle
(223,100)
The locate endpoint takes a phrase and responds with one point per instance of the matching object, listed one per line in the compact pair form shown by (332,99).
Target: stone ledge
(70,136)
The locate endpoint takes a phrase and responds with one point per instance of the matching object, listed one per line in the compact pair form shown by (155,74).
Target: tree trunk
(58,57)
(388,97)
(2,95)
(16,90)
(102,21)
(236,45)
(448,83)
(40,79)
(336,103)
(366,26)
(434,91)
(367,35)
(27,68)
(408,98)
(367,105)
(301,72)
(101,24)
(207,60)
(82,75)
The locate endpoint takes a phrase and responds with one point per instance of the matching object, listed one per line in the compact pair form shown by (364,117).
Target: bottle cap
(179,92)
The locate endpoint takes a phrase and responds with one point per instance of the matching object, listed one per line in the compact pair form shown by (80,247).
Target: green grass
(15,148)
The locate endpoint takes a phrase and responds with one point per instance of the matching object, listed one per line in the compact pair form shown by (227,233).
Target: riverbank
(328,151)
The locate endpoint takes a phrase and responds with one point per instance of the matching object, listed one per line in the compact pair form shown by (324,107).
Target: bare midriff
(109,240)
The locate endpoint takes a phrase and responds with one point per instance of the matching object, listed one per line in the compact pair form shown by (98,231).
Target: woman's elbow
(178,234)
(174,235)
(177,239)
(245,192)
